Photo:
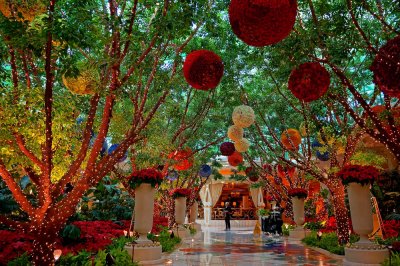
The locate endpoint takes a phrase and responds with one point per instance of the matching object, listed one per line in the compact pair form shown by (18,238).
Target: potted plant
(180,195)
(263,212)
(298,195)
(144,182)
(358,179)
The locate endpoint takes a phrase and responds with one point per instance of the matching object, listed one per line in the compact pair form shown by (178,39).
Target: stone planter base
(182,232)
(196,226)
(364,257)
(146,254)
(298,233)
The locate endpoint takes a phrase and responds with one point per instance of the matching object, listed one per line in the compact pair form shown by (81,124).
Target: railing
(237,213)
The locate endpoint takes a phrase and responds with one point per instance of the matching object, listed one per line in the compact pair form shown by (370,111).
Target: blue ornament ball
(205,171)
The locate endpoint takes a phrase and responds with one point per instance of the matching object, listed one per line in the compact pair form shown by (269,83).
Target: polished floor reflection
(240,247)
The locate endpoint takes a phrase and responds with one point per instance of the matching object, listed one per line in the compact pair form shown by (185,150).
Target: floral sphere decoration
(203,69)
(113,148)
(309,82)
(148,176)
(252,174)
(87,82)
(182,159)
(261,23)
(235,159)
(172,175)
(300,193)
(227,148)
(242,145)
(362,174)
(28,9)
(291,139)
(179,192)
(205,171)
(235,133)
(386,68)
(243,116)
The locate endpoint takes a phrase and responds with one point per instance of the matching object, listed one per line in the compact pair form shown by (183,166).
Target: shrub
(71,233)
(167,242)
(20,261)
(394,260)
(328,242)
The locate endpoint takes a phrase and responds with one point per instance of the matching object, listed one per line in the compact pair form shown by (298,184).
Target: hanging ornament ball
(321,150)
(291,139)
(183,159)
(203,69)
(243,116)
(242,145)
(205,171)
(172,175)
(263,22)
(113,148)
(235,133)
(309,82)
(85,83)
(23,9)
(227,148)
(252,174)
(386,68)
(235,159)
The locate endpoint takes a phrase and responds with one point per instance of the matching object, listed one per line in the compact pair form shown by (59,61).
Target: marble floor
(240,247)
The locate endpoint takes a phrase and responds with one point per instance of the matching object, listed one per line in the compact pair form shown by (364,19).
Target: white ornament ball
(235,133)
(242,145)
(243,116)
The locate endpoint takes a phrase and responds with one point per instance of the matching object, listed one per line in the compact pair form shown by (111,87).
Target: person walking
(227,212)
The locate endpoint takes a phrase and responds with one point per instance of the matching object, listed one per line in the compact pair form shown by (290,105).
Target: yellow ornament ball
(242,145)
(235,133)
(243,116)
(86,82)
(22,10)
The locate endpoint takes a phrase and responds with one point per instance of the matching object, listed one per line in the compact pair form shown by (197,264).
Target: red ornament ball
(263,22)
(203,69)
(386,68)
(227,148)
(252,174)
(309,82)
(235,159)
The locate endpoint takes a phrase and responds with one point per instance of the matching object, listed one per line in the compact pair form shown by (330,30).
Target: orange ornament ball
(291,139)
(235,159)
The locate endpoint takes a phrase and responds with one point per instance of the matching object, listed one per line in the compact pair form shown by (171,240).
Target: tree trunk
(336,188)
(43,248)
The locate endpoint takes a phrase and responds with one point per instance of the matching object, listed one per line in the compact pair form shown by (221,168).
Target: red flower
(359,174)
(203,69)
(386,68)
(149,176)
(261,23)
(309,82)
(180,192)
(300,193)
(183,159)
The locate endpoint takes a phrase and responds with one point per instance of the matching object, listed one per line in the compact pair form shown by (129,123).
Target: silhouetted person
(227,212)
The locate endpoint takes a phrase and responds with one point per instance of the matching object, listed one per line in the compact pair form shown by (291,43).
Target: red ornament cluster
(227,148)
(300,193)
(362,174)
(263,22)
(235,159)
(149,176)
(309,82)
(180,192)
(252,174)
(203,69)
(183,159)
(386,68)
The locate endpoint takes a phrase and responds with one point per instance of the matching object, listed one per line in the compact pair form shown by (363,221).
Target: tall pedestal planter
(145,251)
(364,252)
(180,214)
(298,214)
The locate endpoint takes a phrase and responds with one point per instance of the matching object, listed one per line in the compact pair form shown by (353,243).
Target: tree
(131,50)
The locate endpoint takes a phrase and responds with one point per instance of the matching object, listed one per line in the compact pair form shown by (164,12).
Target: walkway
(238,247)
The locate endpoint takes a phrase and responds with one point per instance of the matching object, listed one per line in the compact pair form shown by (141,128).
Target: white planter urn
(298,210)
(193,212)
(180,210)
(144,209)
(360,211)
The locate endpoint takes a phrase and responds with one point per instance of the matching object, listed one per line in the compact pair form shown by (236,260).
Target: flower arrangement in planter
(179,192)
(362,174)
(148,176)
(300,193)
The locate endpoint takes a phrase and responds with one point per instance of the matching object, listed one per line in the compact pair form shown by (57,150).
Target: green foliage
(313,225)
(286,228)
(263,212)
(329,242)
(70,233)
(393,260)
(83,258)
(168,244)
(192,230)
(23,260)
(368,158)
